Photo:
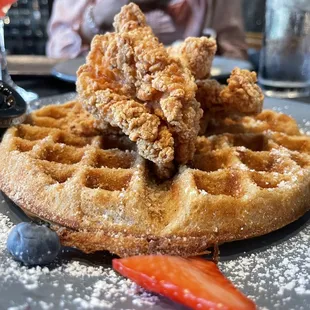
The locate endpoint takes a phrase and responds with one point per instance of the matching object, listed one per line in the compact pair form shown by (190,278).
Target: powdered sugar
(203,192)
(291,109)
(276,277)
(305,127)
(75,285)
(275,273)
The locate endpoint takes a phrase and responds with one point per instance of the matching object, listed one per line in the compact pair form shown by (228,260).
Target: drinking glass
(284,69)
(4,74)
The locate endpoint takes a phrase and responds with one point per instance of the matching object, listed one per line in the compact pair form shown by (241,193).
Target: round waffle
(99,194)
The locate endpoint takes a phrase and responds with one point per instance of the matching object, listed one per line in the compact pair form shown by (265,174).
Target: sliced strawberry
(193,282)
(4,6)
(206,266)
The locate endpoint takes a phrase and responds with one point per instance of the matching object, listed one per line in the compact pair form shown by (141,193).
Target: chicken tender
(196,54)
(129,81)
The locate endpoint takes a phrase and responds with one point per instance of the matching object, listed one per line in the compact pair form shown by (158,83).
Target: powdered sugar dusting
(98,287)
(290,109)
(305,127)
(277,276)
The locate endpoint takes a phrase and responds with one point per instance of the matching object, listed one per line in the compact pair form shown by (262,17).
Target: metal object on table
(12,106)
(285,57)
(4,74)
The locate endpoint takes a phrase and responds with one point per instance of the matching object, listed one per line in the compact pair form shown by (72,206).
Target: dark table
(44,86)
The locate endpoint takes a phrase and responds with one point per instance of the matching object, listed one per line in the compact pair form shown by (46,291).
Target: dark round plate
(221,68)
(272,269)
(66,70)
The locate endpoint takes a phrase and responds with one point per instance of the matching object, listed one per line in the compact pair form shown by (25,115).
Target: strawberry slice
(4,6)
(194,282)
(207,267)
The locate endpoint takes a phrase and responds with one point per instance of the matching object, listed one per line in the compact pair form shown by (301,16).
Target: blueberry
(33,244)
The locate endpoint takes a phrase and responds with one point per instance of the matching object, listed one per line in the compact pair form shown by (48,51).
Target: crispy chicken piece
(130,82)
(107,102)
(242,94)
(240,97)
(195,54)
(208,94)
(168,87)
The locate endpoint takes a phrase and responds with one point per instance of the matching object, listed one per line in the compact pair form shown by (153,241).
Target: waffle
(99,194)
(266,120)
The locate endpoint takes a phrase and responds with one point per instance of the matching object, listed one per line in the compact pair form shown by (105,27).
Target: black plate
(221,68)
(272,269)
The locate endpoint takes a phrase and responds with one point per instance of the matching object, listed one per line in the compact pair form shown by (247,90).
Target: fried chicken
(195,54)
(129,81)
(242,96)
(208,94)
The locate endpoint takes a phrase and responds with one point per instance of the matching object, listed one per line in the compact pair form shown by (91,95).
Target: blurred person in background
(73,23)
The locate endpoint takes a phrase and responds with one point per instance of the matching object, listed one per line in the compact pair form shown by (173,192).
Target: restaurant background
(27,20)
(26,38)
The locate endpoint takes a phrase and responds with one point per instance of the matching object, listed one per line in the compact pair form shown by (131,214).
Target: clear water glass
(284,69)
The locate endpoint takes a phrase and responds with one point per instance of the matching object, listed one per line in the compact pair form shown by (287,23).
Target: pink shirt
(181,19)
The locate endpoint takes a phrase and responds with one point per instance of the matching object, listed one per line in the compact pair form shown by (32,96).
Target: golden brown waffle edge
(239,185)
